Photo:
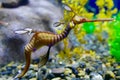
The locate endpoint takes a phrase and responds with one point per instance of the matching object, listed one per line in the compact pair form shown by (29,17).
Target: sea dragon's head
(79,19)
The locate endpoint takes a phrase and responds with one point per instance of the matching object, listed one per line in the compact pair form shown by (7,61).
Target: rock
(101,72)
(114,65)
(38,15)
(98,61)
(87,77)
(81,73)
(6,73)
(57,78)
(33,79)
(62,75)
(50,76)
(75,65)
(67,78)
(14,67)
(72,75)
(67,71)
(43,71)
(95,76)
(106,53)
(35,61)
(117,77)
(104,68)
(58,70)
(42,74)
(108,64)
(104,35)
(82,64)
(34,67)
(61,63)
(92,68)
(29,76)
(6,78)
(8,68)
(19,67)
(3,73)
(96,66)
(88,71)
(93,47)
(109,75)
(76,79)
(10,63)
(74,70)
(118,72)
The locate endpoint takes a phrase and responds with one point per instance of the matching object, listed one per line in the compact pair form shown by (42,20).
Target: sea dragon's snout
(78,19)
(98,20)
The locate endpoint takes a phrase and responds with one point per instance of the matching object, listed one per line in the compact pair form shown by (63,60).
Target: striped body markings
(49,39)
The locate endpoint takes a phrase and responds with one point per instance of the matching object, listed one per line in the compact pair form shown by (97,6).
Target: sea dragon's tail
(28,60)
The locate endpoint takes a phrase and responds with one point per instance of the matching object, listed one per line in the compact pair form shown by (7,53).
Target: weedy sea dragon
(41,38)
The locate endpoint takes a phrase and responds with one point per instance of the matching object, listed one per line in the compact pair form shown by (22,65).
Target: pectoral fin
(44,58)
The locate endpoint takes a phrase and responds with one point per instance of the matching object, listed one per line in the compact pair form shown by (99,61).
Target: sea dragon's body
(40,39)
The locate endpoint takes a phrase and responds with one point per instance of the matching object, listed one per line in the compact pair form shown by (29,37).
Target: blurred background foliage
(93,9)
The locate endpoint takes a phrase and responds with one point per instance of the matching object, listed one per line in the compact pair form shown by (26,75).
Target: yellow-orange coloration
(40,39)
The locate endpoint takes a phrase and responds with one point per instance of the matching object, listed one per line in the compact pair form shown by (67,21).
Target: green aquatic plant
(81,30)
(112,28)
(114,40)
(89,27)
